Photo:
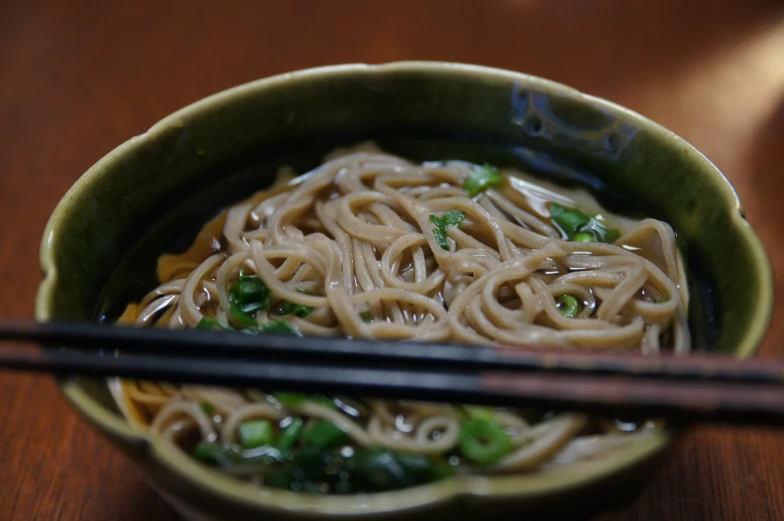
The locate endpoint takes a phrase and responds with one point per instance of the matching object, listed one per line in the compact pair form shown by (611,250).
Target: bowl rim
(547,482)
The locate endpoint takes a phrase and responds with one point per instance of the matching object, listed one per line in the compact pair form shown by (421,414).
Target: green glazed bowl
(151,194)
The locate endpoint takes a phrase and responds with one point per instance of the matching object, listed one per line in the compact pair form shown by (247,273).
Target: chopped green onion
(367,316)
(295,399)
(422,469)
(221,456)
(290,434)
(217,455)
(570,220)
(450,218)
(212,325)
(207,407)
(439,233)
(238,315)
(380,469)
(324,401)
(278,326)
(580,227)
(483,441)
(333,471)
(290,308)
(601,231)
(323,434)
(383,469)
(273,326)
(474,411)
(207,323)
(583,237)
(248,296)
(290,398)
(265,455)
(481,179)
(568,305)
(313,470)
(255,433)
(251,288)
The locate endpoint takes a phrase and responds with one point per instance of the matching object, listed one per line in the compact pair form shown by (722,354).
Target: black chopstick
(190,343)
(690,388)
(608,395)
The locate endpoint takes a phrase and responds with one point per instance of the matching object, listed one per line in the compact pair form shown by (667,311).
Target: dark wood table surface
(79,77)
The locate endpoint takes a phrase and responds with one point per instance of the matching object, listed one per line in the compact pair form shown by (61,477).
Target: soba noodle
(369,245)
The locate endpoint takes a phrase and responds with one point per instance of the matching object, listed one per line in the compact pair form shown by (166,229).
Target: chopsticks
(695,388)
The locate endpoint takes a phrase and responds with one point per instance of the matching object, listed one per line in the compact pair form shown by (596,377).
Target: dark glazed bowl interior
(151,195)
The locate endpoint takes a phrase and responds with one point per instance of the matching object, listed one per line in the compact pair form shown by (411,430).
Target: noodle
(371,246)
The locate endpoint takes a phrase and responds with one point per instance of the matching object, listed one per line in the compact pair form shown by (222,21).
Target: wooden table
(79,77)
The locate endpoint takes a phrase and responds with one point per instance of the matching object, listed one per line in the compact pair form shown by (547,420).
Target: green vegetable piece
(439,233)
(568,305)
(601,231)
(581,227)
(207,323)
(283,479)
(584,237)
(253,288)
(207,407)
(329,470)
(290,398)
(211,324)
(279,327)
(240,315)
(290,434)
(570,220)
(221,456)
(442,470)
(324,401)
(422,469)
(217,455)
(450,218)
(383,469)
(265,455)
(247,297)
(295,399)
(474,411)
(380,469)
(255,433)
(289,308)
(481,179)
(367,316)
(323,434)
(483,441)
(313,470)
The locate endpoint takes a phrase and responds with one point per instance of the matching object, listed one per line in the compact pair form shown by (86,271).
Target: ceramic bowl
(152,193)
